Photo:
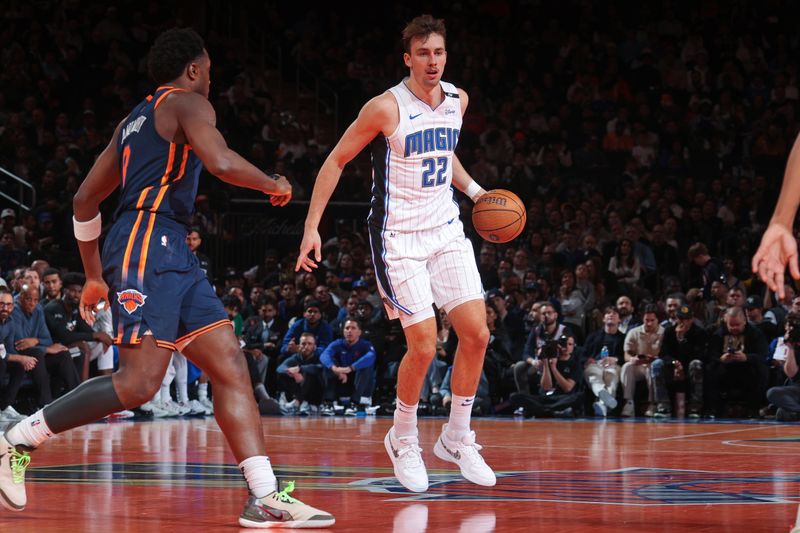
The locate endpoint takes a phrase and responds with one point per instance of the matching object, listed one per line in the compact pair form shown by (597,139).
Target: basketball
(499,216)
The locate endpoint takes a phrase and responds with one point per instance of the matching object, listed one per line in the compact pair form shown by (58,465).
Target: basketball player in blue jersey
(418,246)
(161,300)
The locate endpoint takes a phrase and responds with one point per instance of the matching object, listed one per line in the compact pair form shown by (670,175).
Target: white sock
(181,377)
(30,432)
(405,419)
(165,393)
(167,381)
(202,391)
(460,414)
(258,473)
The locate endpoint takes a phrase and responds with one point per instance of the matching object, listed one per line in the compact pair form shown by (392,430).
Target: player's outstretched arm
(198,121)
(101,181)
(376,116)
(778,246)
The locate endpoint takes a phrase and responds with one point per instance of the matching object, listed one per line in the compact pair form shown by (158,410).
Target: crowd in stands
(648,143)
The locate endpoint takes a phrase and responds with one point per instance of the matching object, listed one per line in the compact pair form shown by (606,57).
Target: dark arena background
(648,141)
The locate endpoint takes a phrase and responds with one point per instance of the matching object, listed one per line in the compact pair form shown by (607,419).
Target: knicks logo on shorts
(131,300)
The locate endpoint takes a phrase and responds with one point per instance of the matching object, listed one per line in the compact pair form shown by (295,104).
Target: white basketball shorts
(418,268)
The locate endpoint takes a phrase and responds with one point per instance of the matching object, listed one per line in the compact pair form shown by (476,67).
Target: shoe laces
(283,496)
(409,451)
(19,462)
(470,448)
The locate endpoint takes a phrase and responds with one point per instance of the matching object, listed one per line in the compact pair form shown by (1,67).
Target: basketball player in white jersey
(418,246)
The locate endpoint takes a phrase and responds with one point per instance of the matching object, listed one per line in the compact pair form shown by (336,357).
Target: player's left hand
(311,242)
(778,248)
(94,291)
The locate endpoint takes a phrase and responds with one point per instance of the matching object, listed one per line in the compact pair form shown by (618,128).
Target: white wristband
(89,230)
(473,190)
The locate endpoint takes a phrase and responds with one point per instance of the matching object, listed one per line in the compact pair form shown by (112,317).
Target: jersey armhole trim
(399,117)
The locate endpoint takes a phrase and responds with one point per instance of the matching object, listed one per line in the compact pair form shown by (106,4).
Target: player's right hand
(311,241)
(93,292)
(778,248)
(282,193)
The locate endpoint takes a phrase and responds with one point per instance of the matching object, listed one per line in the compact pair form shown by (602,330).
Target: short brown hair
(696,250)
(421,27)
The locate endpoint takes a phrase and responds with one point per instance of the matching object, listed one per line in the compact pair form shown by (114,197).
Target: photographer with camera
(642,346)
(548,330)
(558,393)
(736,353)
(787,397)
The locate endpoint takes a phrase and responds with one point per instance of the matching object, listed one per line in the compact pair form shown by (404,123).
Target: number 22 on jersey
(431,166)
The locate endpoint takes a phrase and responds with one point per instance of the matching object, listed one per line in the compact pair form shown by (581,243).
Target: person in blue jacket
(300,375)
(311,322)
(349,367)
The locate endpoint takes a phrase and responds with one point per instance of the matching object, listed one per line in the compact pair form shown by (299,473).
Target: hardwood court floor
(554,476)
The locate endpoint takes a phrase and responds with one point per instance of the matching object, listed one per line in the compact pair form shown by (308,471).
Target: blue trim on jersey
(379,183)
(386,189)
(381,154)
(453,197)
(445,95)
(390,294)
(381,271)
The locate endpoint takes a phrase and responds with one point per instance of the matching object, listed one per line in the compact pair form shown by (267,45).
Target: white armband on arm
(89,230)
(472,190)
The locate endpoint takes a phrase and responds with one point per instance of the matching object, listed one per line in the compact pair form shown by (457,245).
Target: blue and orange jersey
(158,176)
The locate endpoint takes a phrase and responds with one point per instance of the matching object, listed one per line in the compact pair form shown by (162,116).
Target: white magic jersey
(412,169)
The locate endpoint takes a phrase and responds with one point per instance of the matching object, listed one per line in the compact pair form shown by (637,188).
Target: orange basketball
(499,216)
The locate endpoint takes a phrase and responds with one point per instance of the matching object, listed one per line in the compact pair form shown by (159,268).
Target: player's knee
(476,340)
(134,391)
(230,367)
(422,350)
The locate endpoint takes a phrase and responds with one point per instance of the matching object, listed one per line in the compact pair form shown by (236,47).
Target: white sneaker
(207,403)
(13,463)
(178,409)
(629,409)
(154,410)
(406,456)
(9,414)
(305,409)
(168,408)
(279,510)
(519,411)
(198,408)
(465,453)
(600,409)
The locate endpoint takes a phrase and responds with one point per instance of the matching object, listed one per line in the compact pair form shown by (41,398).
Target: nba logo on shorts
(131,300)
